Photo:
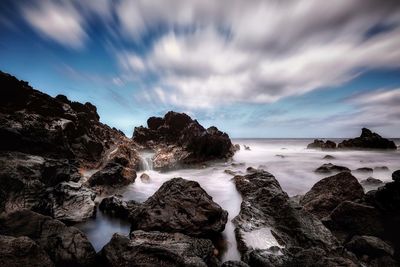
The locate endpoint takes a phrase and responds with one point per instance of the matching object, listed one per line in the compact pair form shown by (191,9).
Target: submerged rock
(66,246)
(381,169)
(158,249)
(177,139)
(368,140)
(365,170)
(328,157)
(322,145)
(181,206)
(22,251)
(331,168)
(329,192)
(370,181)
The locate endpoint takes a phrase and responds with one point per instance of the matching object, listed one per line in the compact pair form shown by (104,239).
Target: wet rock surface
(66,246)
(112,175)
(367,140)
(325,145)
(329,192)
(180,206)
(331,168)
(22,251)
(117,207)
(177,139)
(158,249)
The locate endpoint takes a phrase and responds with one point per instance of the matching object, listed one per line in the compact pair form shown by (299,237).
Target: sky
(271,68)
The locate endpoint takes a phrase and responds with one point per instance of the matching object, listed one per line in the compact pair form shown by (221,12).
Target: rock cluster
(322,145)
(367,140)
(178,140)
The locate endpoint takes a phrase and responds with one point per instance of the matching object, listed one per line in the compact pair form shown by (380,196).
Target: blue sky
(252,68)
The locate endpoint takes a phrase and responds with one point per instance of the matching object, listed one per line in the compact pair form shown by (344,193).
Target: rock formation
(331,168)
(367,140)
(322,145)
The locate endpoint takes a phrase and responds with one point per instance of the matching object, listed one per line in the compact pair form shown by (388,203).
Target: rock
(330,168)
(270,223)
(280,156)
(321,144)
(349,219)
(381,169)
(246,147)
(145,178)
(72,203)
(22,251)
(396,176)
(177,139)
(329,157)
(66,246)
(114,175)
(181,206)
(117,207)
(369,245)
(370,181)
(251,169)
(364,170)
(238,164)
(237,147)
(234,264)
(230,172)
(158,249)
(367,140)
(329,192)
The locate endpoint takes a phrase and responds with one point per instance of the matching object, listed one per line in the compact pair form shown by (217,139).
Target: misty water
(287,159)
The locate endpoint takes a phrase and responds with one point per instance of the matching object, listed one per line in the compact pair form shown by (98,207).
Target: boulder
(331,168)
(114,175)
(328,157)
(381,169)
(145,178)
(371,181)
(158,249)
(364,170)
(117,207)
(271,224)
(322,145)
(396,176)
(22,251)
(177,139)
(181,206)
(369,245)
(329,192)
(367,140)
(66,246)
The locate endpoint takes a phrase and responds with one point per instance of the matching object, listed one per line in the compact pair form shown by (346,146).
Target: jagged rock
(396,176)
(271,224)
(365,170)
(117,207)
(331,168)
(177,139)
(369,245)
(145,178)
(329,157)
(66,246)
(72,202)
(181,206)
(158,249)
(322,145)
(368,140)
(22,251)
(329,192)
(349,219)
(113,174)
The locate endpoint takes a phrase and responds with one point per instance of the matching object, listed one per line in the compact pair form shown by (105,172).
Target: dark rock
(367,140)
(246,147)
(234,264)
(237,147)
(329,192)
(370,181)
(369,245)
(113,174)
(66,246)
(158,249)
(177,139)
(396,176)
(322,145)
(145,178)
(364,170)
(181,206)
(280,156)
(349,219)
(331,168)
(117,207)
(268,216)
(329,157)
(22,251)
(251,169)
(231,172)
(381,169)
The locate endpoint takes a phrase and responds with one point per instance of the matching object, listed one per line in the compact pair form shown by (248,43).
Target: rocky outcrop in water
(178,140)
(180,206)
(329,192)
(272,230)
(322,145)
(328,168)
(368,140)
(119,208)
(66,246)
(158,249)
(22,251)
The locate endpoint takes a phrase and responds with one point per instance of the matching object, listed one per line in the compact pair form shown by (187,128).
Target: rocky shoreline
(57,160)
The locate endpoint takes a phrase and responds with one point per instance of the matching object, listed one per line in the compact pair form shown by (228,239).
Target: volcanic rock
(322,145)
(368,140)
(113,174)
(117,207)
(331,168)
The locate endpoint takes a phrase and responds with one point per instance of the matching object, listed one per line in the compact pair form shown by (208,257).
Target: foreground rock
(329,192)
(158,249)
(181,206)
(66,246)
(177,139)
(368,140)
(117,207)
(113,175)
(273,231)
(22,251)
(322,145)
(331,168)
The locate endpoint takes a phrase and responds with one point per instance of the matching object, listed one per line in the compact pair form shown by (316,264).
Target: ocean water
(287,159)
